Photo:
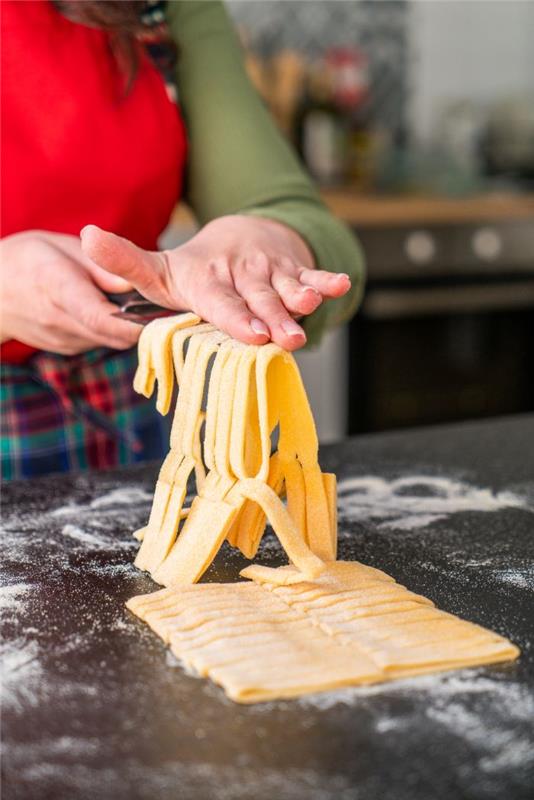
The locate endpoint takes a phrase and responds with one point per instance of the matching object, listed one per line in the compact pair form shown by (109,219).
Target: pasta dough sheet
(282,635)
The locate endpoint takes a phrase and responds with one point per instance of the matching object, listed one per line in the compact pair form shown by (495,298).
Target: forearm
(238,161)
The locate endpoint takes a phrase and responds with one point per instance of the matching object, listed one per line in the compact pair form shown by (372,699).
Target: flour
(437,689)
(13,596)
(21,673)
(417,501)
(112,502)
(79,535)
(523,578)
(238,781)
(453,701)
(122,497)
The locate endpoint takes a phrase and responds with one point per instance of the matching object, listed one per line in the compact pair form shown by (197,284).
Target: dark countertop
(94,706)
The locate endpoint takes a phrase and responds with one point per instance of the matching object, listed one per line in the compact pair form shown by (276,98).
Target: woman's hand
(247,275)
(52,296)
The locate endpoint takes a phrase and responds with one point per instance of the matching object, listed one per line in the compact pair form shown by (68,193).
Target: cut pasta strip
(199,541)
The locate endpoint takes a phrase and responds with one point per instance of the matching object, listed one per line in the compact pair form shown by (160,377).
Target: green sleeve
(238,161)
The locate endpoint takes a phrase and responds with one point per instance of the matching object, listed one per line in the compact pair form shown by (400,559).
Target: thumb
(106,281)
(140,268)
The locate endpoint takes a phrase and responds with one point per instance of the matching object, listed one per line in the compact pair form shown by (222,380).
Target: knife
(133,307)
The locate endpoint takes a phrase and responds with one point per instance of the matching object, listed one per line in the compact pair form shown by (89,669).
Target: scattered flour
(115,500)
(438,689)
(13,596)
(522,578)
(21,673)
(122,497)
(416,501)
(79,535)
(70,747)
(239,781)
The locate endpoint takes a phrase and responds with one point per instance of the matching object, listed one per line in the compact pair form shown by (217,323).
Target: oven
(446,328)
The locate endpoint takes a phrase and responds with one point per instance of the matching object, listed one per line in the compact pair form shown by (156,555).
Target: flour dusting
(21,673)
(437,688)
(523,578)
(114,501)
(79,535)
(13,596)
(122,497)
(417,501)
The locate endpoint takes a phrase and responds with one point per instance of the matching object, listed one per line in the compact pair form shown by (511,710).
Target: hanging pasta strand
(227,444)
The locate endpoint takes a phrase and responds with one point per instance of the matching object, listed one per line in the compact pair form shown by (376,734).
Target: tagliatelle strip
(184,456)
(154,357)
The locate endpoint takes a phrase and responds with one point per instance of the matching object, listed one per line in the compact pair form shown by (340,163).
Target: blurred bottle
(349,70)
(508,140)
(321,129)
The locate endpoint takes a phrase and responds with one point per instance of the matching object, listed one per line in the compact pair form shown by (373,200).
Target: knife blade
(133,307)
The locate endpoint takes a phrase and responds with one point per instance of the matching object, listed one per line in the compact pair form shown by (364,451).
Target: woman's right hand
(52,296)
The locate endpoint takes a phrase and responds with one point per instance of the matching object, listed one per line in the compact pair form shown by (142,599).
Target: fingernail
(309,289)
(344,275)
(259,327)
(291,328)
(86,229)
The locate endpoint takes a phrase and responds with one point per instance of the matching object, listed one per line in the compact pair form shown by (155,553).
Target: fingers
(298,299)
(223,307)
(106,281)
(329,284)
(61,334)
(265,303)
(71,247)
(91,315)
(144,270)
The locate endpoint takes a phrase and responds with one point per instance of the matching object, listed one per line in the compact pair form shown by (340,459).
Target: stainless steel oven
(446,329)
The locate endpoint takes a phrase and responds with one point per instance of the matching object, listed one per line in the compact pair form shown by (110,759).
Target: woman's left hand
(248,276)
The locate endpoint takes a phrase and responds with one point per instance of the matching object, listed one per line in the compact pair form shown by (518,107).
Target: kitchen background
(417,121)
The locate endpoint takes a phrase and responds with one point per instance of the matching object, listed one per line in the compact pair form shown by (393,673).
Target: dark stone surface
(94,707)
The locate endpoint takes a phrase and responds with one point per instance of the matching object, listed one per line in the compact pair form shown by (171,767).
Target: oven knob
(420,247)
(486,244)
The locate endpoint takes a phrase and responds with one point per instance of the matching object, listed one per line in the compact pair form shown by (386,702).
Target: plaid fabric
(80,412)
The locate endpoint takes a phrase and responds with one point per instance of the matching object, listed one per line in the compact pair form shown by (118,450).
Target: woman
(92,134)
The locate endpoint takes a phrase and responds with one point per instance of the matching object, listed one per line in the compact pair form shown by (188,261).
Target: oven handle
(383,304)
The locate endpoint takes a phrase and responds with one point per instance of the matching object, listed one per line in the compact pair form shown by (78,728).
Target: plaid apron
(80,412)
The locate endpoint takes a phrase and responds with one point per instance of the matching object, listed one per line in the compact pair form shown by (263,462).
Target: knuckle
(218,270)
(287,285)
(264,293)
(287,264)
(259,261)
(47,319)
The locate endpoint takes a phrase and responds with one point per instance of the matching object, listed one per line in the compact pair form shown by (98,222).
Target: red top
(75,148)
